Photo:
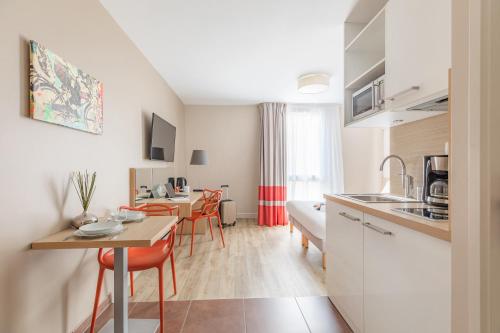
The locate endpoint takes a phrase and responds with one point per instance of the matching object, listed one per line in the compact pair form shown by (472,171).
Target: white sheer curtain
(314,151)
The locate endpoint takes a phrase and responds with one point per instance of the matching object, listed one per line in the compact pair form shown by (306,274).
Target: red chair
(154,209)
(151,210)
(142,258)
(209,210)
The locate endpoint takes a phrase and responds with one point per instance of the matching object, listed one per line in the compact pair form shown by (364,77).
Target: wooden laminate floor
(257,262)
(255,315)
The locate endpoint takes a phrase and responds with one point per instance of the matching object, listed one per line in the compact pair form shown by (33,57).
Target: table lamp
(199,157)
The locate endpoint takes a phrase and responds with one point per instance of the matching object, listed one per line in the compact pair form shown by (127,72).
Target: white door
(417,49)
(344,269)
(407,281)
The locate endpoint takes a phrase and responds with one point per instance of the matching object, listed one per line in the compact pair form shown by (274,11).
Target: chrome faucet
(406,180)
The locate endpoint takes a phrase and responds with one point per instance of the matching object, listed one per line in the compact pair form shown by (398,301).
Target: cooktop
(430,213)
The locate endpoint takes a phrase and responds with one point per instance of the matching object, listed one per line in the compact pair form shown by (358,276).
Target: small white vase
(83,218)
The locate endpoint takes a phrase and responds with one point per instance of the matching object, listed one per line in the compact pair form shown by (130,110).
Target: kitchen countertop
(439,230)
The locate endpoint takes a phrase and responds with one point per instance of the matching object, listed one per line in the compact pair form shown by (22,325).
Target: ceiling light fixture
(313,83)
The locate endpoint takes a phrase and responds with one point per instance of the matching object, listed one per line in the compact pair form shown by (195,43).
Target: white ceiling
(216,52)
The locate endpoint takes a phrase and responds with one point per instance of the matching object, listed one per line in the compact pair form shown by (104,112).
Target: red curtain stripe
(272,201)
(272,193)
(272,215)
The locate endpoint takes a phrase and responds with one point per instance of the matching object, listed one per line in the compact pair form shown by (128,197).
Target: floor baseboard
(247,215)
(100,309)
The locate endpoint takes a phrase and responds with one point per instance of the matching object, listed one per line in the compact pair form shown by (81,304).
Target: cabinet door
(417,49)
(344,270)
(407,281)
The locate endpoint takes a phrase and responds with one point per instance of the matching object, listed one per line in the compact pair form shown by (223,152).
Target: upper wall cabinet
(408,42)
(417,51)
(364,54)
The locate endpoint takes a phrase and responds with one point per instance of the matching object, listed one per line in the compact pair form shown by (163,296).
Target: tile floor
(314,314)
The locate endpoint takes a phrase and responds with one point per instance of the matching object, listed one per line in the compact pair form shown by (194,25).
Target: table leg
(120,323)
(121,299)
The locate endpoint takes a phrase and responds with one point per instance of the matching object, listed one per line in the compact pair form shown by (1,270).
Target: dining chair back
(154,209)
(211,195)
(209,210)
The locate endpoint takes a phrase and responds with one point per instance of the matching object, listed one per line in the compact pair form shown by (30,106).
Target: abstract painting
(62,94)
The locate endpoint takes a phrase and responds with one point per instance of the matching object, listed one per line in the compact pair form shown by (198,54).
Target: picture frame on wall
(62,94)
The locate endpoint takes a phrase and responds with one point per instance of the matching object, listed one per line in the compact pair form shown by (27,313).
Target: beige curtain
(272,188)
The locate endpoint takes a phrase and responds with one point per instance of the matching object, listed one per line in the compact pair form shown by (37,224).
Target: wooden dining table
(185,204)
(135,234)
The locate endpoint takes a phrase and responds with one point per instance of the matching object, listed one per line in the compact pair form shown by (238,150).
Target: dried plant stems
(84,184)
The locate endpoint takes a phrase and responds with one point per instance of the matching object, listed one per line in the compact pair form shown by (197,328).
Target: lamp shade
(199,157)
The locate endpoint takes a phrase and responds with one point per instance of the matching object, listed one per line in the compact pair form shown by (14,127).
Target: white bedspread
(310,218)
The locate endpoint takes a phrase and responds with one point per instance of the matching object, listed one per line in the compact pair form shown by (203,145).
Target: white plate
(128,216)
(117,230)
(99,228)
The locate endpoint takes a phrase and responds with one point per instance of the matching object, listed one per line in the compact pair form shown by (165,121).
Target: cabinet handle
(402,92)
(378,229)
(348,216)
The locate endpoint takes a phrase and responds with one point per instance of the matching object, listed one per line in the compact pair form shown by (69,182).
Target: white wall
(363,150)
(230,134)
(52,291)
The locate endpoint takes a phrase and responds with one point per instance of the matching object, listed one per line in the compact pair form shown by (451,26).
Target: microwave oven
(368,100)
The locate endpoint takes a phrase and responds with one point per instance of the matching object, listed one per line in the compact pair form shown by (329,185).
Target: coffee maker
(435,191)
(181,182)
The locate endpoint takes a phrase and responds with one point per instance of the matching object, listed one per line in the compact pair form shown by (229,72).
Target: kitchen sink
(378,198)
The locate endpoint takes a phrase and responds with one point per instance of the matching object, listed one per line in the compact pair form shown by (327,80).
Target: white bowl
(133,216)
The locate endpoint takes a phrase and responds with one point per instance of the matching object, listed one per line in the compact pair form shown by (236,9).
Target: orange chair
(154,209)
(209,210)
(142,258)
(151,210)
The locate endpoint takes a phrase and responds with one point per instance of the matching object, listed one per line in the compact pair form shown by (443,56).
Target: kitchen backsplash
(414,140)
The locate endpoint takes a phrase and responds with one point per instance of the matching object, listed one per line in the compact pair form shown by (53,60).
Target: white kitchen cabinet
(407,280)
(344,234)
(417,50)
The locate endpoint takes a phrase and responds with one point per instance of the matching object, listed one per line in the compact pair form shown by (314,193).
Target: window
(314,151)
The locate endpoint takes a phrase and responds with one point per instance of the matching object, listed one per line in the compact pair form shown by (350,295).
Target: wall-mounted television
(162,140)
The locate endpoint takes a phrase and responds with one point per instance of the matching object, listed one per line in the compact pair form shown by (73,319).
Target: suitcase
(227,210)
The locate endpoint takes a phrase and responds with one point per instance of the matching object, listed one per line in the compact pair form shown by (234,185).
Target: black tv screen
(162,139)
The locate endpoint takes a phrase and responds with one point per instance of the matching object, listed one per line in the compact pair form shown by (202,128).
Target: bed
(311,222)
